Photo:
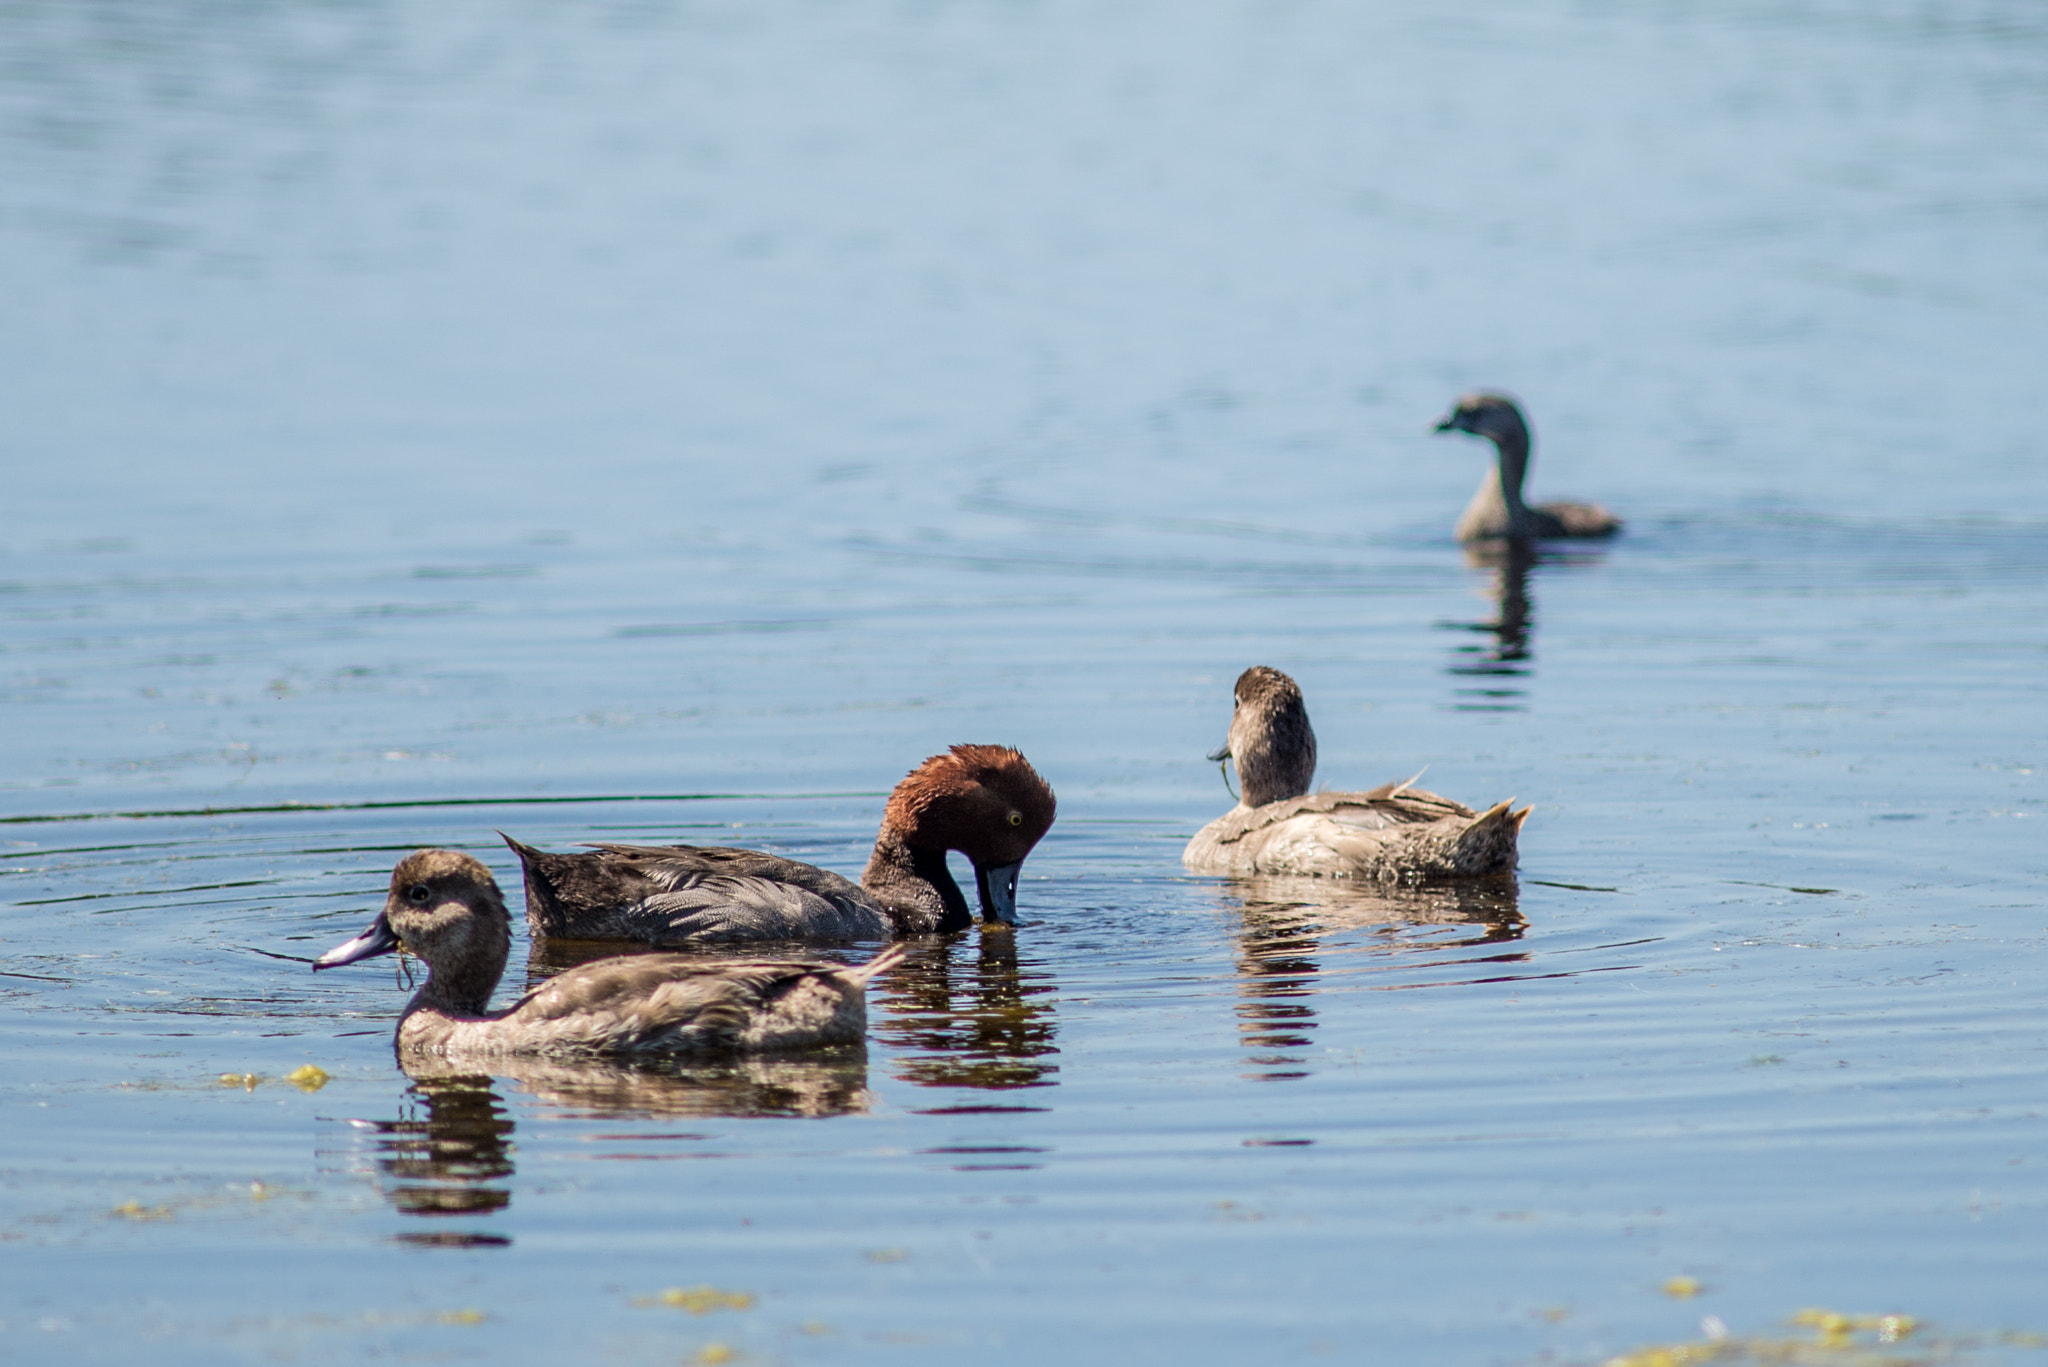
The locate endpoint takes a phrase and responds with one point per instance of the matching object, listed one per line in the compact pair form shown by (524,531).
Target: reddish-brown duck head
(445,907)
(985,801)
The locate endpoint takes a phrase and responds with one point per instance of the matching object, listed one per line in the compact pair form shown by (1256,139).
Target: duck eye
(1016,818)
(419,894)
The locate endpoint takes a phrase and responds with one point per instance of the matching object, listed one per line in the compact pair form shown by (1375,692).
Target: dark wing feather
(1581,519)
(670,893)
(672,864)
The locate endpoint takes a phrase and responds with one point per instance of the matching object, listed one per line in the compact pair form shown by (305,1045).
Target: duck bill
(997,884)
(1218,756)
(1447,423)
(380,938)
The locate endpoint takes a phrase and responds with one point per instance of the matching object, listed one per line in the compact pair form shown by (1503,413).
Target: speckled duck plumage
(1395,832)
(1497,512)
(445,908)
(985,801)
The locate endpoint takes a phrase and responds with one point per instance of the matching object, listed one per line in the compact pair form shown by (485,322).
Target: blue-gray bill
(378,939)
(997,884)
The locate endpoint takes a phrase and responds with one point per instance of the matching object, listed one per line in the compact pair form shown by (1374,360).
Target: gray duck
(1395,832)
(1497,512)
(445,908)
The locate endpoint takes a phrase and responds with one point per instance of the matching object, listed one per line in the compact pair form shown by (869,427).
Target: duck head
(985,801)
(1493,416)
(1270,738)
(445,908)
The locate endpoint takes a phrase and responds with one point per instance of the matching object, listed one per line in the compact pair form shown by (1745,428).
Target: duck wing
(668,894)
(1390,804)
(1393,832)
(644,1002)
(1579,519)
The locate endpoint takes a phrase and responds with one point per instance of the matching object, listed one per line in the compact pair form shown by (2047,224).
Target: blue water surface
(672,421)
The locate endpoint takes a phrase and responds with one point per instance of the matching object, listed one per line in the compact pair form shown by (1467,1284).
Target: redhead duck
(1496,512)
(1394,832)
(445,907)
(985,801)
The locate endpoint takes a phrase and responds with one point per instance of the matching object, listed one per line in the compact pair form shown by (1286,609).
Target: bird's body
(445,908)
(1497,511)
(702,894)
(985,801)
(1391,833)
(657,1003)
(1395,832)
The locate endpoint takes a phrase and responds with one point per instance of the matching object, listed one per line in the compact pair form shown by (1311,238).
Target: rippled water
(654,422)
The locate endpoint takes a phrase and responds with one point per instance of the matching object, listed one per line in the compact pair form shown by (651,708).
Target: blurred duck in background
(1497,512)
(445,908)
(1396,832)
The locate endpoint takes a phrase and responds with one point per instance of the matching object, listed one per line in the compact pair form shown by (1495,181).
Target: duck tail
(1487,844)
(526,853)
(1405,784)
(881,963)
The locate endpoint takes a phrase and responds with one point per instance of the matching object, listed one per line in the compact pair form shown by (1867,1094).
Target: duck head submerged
(445,908)
(985,801)
(1271,741)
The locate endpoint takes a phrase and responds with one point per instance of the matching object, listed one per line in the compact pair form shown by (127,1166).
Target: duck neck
(915,887)
(1509,471)
(1275,750)
(463,988)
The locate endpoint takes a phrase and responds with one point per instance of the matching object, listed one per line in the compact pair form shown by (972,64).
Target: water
(420,423)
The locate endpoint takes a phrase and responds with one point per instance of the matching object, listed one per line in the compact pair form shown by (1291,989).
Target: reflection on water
(1283,924)
(1493,664)
(449,1154)
(1501,651)
(988,1023)
(820,1083)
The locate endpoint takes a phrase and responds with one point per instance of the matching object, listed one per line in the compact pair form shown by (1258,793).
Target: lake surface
(674,421)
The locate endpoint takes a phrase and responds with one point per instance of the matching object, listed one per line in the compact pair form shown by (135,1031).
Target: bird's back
(1391,832)
(672,894)
(662,1003)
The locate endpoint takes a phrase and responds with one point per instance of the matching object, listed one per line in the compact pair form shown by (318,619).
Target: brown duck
(1497,512)
(985,801)
(445,908)
(1393,832)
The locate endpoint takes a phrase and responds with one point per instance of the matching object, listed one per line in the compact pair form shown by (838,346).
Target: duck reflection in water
(1504,652)
(448,1155)
(1287,926)
(984,1021)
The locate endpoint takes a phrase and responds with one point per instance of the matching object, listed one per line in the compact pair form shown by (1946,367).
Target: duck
(1393,833)
(985,801)
(1497,512)
(445,908)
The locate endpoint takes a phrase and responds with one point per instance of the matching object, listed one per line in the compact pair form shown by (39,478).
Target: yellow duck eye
(1016,818)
